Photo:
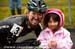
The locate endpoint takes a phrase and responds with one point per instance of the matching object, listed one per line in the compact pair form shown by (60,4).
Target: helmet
(58,12)
(37,5)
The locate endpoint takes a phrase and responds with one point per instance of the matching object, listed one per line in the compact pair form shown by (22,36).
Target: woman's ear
(27,13)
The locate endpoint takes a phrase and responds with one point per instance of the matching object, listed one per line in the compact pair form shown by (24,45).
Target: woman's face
(52,24)
(34,17)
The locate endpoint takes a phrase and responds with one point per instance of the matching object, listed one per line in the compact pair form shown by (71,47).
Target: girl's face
(53,25)
(34,17)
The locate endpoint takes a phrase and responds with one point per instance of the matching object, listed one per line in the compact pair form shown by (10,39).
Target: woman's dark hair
(47,17)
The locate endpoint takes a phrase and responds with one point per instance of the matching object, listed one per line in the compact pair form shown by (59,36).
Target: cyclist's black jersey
(13,27)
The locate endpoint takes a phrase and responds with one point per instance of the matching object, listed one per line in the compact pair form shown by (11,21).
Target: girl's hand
(52,44)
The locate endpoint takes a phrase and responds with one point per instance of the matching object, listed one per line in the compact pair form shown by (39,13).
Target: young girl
(54,36)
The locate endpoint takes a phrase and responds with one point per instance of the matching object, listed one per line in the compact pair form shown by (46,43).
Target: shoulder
(65,31)
(12,19)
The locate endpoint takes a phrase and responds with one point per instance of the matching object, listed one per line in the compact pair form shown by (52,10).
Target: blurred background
(67,6)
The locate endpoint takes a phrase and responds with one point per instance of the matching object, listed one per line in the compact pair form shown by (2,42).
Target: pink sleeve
(43,41)
(65,43)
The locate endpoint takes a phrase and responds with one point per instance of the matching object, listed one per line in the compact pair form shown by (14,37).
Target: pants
(15,4)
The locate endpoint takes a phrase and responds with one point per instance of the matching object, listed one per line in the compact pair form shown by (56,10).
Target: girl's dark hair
(47,17)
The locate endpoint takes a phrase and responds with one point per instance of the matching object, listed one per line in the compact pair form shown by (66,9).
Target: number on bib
(16,29)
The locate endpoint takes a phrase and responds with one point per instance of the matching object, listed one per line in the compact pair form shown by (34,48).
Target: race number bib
(16,29)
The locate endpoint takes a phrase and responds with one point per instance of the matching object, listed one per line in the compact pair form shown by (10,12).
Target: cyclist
(16,26)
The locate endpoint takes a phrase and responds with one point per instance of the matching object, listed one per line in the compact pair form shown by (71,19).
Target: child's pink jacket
(62,37)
